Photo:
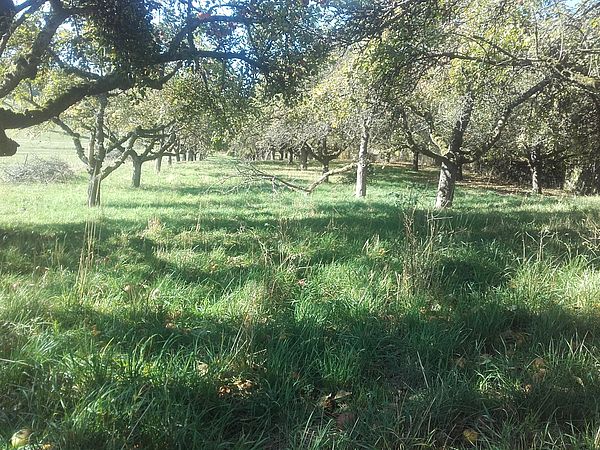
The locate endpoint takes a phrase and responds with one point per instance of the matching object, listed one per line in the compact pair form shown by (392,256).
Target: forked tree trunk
(136,178)
(363,163)
(446,185)
(415,161)
(94,190)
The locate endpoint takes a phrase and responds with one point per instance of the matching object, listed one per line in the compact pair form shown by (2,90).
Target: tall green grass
(199,312)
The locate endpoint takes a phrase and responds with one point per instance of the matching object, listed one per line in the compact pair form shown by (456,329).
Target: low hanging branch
(250,171)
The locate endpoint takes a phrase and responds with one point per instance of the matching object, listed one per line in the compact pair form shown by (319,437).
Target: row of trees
(480,82)
(484,82)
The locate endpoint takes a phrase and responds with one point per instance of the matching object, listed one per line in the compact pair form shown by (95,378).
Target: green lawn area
(200,312)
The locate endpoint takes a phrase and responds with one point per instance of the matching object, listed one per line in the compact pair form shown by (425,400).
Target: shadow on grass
(421,376)
(122,369)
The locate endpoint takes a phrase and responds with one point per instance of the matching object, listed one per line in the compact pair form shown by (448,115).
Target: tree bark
(415,161)
(446,185)
(94,190)
(290,157)
(303,158)
(8,147)
(326,170)
(136,178)
(459,171)
(191,155)
(535,166)
(363,162)
(158,164)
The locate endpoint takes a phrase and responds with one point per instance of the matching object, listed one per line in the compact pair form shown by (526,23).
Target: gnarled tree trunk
(446,185)
(415,161)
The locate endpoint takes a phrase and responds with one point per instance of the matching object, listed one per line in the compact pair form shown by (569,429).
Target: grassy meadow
(199,312)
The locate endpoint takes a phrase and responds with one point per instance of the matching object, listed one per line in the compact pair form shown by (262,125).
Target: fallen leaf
(224,390)
(340,395)
(244,385)
(202,368)
(471,436)
(579,381)
(528,388)
(20,438)
(328,402)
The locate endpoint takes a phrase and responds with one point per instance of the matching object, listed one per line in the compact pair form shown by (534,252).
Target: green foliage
(124,27)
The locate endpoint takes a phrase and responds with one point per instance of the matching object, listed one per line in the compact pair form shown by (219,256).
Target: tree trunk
(459,171)
(303,158)
(445,192)
(158,164)
(325,170)
(190,155)
(170,160)
(136,178)
(290,157)
(535,166)
(415,161)
(363,162)
(281,154)
(94,190)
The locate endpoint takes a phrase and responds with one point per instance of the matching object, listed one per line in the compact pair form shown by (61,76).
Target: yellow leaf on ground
(20,438)
(471,436)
